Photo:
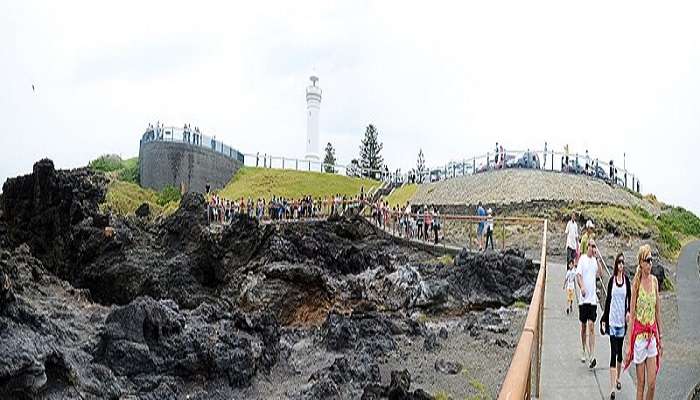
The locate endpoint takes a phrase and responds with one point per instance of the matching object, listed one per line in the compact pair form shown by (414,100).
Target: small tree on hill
(370,151)
(420,166)
(329,160)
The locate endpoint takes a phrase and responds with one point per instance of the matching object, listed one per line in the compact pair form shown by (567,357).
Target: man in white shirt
(571,238)
(588,269)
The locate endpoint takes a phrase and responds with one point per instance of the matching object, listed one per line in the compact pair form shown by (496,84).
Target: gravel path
(522,186)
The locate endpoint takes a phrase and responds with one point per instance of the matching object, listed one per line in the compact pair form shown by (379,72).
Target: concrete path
(688,290)
(563,376)
(680,372)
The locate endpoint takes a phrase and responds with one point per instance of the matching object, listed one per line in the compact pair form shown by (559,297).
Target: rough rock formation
(173,308)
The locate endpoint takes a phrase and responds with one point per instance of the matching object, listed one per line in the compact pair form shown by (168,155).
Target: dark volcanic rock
(490,279)
(430,342)
(55,341)
(447,367)
(398,389)
(143,211)
(345,378)
(370,332)
(148,336)
(46,208)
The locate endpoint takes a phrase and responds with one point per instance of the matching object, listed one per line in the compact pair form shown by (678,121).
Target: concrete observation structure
(186,162)
(313,107)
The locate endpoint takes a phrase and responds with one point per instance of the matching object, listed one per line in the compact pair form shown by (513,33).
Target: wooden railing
(524,370)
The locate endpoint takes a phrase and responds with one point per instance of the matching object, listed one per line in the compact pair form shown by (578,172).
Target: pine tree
(420,166)
(370,157)
(329,160)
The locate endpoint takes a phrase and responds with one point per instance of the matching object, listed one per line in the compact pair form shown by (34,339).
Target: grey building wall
(164,163)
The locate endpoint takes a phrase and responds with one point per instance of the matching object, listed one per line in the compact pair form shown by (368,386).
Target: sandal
(619,385)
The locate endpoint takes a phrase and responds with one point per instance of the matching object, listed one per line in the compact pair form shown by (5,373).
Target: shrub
(168,194)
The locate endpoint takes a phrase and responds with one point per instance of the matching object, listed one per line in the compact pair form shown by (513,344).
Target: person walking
(480,229)
(646,341)
(614,320)
(572,236)
(589,268)
(569,280)
(489,229)
(586,237)
(436,223)
(428,225)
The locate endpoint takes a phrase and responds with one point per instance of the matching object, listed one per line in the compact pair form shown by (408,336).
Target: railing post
(504,235)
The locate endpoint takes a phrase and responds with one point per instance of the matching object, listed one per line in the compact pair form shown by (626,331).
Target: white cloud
(451,77)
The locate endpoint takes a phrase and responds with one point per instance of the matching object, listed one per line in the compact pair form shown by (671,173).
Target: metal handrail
(527,356)
(603,283)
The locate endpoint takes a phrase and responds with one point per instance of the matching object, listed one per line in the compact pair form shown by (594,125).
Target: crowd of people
(278,208)
(631,309)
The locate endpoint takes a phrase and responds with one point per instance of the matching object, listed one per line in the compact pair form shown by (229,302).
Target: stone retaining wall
(164,163)
(514,186)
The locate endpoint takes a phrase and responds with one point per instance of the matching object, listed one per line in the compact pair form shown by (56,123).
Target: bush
(168,194)
(680,220)
(106,163)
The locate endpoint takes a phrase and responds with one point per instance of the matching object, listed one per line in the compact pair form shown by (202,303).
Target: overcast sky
(451,78)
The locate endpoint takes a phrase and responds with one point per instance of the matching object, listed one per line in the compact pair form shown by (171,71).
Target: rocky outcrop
(56,342)
(54,212)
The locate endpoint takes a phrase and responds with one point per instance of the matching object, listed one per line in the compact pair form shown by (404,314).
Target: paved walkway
(563,376)
(680,371)
(688,290)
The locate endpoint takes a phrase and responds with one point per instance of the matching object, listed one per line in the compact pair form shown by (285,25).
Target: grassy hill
(113,165)
(264,182)
(401,195)
(124,195)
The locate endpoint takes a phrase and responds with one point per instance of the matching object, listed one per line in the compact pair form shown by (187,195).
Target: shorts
(587,312)
(642,352)
(617,331)
(569,294)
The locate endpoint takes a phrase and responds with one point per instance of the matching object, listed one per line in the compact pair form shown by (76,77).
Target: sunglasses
(648,259)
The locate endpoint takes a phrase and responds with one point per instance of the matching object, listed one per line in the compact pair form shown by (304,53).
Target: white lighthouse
(313,107)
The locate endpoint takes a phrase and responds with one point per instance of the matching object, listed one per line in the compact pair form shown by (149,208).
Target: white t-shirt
(570,278)
(588,269)
(571,234)
(618,298)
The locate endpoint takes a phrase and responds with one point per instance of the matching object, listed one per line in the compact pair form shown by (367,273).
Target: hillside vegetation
(401,195)
(113,165)
(671,229)
(264,182)
(124,195)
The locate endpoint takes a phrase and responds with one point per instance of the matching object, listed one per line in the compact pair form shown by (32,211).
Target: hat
(589,224)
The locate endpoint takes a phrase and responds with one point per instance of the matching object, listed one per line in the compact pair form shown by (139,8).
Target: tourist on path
(489,229)
(419,222)
(569,280)
(428,225)
(586,237)
(588,269)
(480,229)
(572,234)
(614,320)
(646,341)
(436,222)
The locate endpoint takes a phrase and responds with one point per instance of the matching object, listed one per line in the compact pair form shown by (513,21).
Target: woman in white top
(614,319)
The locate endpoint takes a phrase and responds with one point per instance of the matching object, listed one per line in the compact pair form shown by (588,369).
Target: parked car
(599,172)
(574,167)
(436,175)
(527,160)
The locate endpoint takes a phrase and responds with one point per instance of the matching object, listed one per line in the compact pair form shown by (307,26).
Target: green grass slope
(401,195)
(263,182)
